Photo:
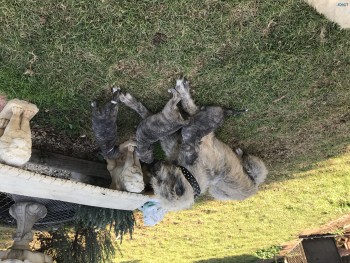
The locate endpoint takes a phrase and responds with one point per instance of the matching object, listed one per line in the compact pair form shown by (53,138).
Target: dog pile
(196,161)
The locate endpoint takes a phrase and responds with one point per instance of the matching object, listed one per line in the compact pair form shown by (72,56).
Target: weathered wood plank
(17,181)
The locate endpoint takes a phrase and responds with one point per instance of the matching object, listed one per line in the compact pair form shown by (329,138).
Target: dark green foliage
(82,245)
(121,221)
(89,240)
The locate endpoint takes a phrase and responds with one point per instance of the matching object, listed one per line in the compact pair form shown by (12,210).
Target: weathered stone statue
(15,134)
(335,10)
(26,214)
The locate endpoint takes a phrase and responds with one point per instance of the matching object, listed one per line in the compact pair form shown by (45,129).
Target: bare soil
(49,140)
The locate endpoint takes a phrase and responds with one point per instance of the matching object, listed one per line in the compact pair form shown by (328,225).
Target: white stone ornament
(26,214)
(15,134)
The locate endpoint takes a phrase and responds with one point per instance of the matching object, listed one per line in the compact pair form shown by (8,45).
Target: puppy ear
(239,152)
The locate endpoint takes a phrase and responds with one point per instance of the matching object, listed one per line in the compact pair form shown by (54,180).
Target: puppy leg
(104,125)
(170,118)
(183,88)
(158,126)
(202,123)
(134,104)
(170,110)
(171,146)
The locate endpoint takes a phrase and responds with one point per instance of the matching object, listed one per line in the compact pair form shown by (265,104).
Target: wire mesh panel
(296,255)
(58,212)
(5,203)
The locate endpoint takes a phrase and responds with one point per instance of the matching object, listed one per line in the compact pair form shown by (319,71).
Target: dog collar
(192,180)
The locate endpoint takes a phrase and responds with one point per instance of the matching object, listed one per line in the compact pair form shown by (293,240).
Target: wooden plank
(77,167)
(17,181)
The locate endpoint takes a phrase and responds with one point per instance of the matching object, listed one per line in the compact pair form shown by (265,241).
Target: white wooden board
(17,181)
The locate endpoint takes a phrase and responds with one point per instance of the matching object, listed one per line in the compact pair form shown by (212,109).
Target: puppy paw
(183,87)
(115,89)
(115,95)
(127,99)
(176,95)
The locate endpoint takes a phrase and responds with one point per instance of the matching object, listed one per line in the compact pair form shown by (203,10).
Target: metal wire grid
(58,212)
(296,255)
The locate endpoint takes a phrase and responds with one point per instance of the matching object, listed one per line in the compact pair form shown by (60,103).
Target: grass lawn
(280,59)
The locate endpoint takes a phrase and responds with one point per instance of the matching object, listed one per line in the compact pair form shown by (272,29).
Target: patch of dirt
(130,67)
(49,140)
(159,38)
(342,223)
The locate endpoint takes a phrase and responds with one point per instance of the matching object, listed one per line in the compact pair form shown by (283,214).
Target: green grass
(280,59)
(227,49)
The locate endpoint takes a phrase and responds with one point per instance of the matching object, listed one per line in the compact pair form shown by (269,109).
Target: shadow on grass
(233,259)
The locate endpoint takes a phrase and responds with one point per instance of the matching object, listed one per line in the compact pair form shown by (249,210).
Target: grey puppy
(104,125)
(196,160)
(122,162)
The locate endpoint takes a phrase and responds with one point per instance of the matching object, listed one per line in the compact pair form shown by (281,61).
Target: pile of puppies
(196,161)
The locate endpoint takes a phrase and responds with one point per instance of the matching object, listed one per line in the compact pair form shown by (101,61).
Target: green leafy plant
(268,253)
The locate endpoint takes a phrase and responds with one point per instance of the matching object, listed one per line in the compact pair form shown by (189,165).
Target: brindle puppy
(123,164)
(155,127)
(225,174)
(104,125)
